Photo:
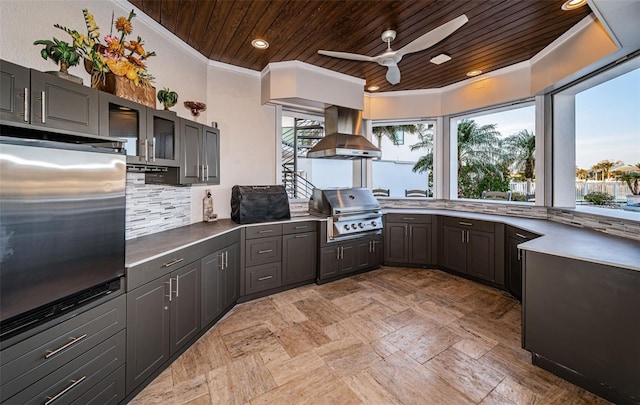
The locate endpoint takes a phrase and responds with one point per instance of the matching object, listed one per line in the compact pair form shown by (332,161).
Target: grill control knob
(346,227)
(354,226)
(374,223)
(361,225)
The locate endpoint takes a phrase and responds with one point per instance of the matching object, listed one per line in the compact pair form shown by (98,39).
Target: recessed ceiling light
(474,73)
(373,88)
(573,4)
(442,58)
(260,44)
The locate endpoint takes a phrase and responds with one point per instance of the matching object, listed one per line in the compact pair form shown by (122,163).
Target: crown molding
(296,64)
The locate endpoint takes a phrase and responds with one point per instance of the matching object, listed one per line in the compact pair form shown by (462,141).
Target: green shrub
(599,198)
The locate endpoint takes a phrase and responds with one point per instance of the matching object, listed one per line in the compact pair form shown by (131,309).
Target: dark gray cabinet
(152,135)
(580,321)
(44,100)
(343,258)
(220,271)
(162,316)
(409,239)
(71,356)
(199,153)
(513,259)
(299,257)
(469,247)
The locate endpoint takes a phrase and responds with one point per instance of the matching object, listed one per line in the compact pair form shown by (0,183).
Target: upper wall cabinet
(40,99)
(152,135)
(199,153)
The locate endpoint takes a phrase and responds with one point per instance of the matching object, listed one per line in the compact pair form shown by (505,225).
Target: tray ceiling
(499,33)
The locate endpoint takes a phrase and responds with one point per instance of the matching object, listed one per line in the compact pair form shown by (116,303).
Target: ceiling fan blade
(434,36)
(393,74)
(346,55)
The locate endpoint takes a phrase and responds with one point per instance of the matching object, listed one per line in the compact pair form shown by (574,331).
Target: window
(495,153)
(407,157)
(596,141)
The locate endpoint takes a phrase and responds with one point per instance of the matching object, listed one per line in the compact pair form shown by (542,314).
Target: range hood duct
(344,139)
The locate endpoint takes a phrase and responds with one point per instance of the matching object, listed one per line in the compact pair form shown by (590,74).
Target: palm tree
(391,132)
(521,150)
(479,151)
(582,174)
(605,166)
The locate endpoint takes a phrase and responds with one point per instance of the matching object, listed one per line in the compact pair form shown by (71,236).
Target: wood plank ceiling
(499,33)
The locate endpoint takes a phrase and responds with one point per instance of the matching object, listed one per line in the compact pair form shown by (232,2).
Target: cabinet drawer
(32,359)
(469,224)
(263,250)
(72,380)
(109,391)
(299,227)
(410,218)
(163,265)
(517,233)
(264,277)
(263,231)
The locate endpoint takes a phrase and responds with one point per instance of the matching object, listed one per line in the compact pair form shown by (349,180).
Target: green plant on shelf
(61,52)
(167,97)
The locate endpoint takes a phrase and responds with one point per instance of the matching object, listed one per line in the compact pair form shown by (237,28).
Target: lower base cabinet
(219,288)
(341,258)
(162,316)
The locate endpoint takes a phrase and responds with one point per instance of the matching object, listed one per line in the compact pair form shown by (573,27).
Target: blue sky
(608,121)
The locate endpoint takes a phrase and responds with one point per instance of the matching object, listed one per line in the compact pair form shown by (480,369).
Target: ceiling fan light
(260,44)
(573,4)
(473,73)
(442,58)
(373,88)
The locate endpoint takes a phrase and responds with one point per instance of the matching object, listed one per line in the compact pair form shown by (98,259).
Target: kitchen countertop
(558,239)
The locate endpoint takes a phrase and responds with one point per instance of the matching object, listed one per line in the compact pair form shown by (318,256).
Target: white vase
(633,200)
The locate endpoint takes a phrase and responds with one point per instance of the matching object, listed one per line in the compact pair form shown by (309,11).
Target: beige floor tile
(350,359)
(208,353)
(240,381)
(465,374)
(320,311)
(288,369)
(301,337)
(353,302)
(369,390)
(274,353)
(411,383)
(438,312)
(510,392)
(430,345)
(190,390)
(253,339)
(383,347)
(321,387)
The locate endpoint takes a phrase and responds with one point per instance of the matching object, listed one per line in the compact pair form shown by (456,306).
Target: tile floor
(390,336)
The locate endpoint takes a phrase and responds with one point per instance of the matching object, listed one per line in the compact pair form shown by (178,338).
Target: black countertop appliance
(251,204)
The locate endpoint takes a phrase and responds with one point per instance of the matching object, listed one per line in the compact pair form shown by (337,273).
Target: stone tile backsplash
(153,208)
(612,226)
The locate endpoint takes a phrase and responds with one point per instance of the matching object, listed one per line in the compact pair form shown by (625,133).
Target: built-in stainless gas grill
(351,212)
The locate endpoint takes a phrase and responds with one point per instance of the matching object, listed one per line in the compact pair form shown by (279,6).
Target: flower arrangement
(116,54)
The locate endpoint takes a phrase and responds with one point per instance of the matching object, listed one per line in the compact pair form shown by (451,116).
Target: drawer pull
(50,400)
(43,104)
(72,342)
(408,218)
(521,235)
(265,278)
(302,236)
(465,223)
(171,263)
(301,227)
(266,231)
(265,251)
(26,104)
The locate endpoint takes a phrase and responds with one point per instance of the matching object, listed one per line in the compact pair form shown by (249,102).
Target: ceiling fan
(391,58)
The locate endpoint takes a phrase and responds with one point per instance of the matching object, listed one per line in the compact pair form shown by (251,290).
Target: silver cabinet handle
(467,236)
(50,400)
(72,342)
(301,227)
(265,278)
(153,149)
(266,231)
(342,252)
(338,253)
(462,236)
(222,261)
(521,235)
(408,218)
(519,254)
(146,150)
(177,285)
(265,251)
(226,259)
(171,263)
(207,172)
(43,103)
(302,236)
(26,104)
(170,282)
(465,223)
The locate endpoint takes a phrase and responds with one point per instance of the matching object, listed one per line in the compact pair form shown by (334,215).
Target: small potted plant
(167,97)
(63,54)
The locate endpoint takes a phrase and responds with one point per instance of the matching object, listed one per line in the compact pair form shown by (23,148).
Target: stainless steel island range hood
(344,139)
